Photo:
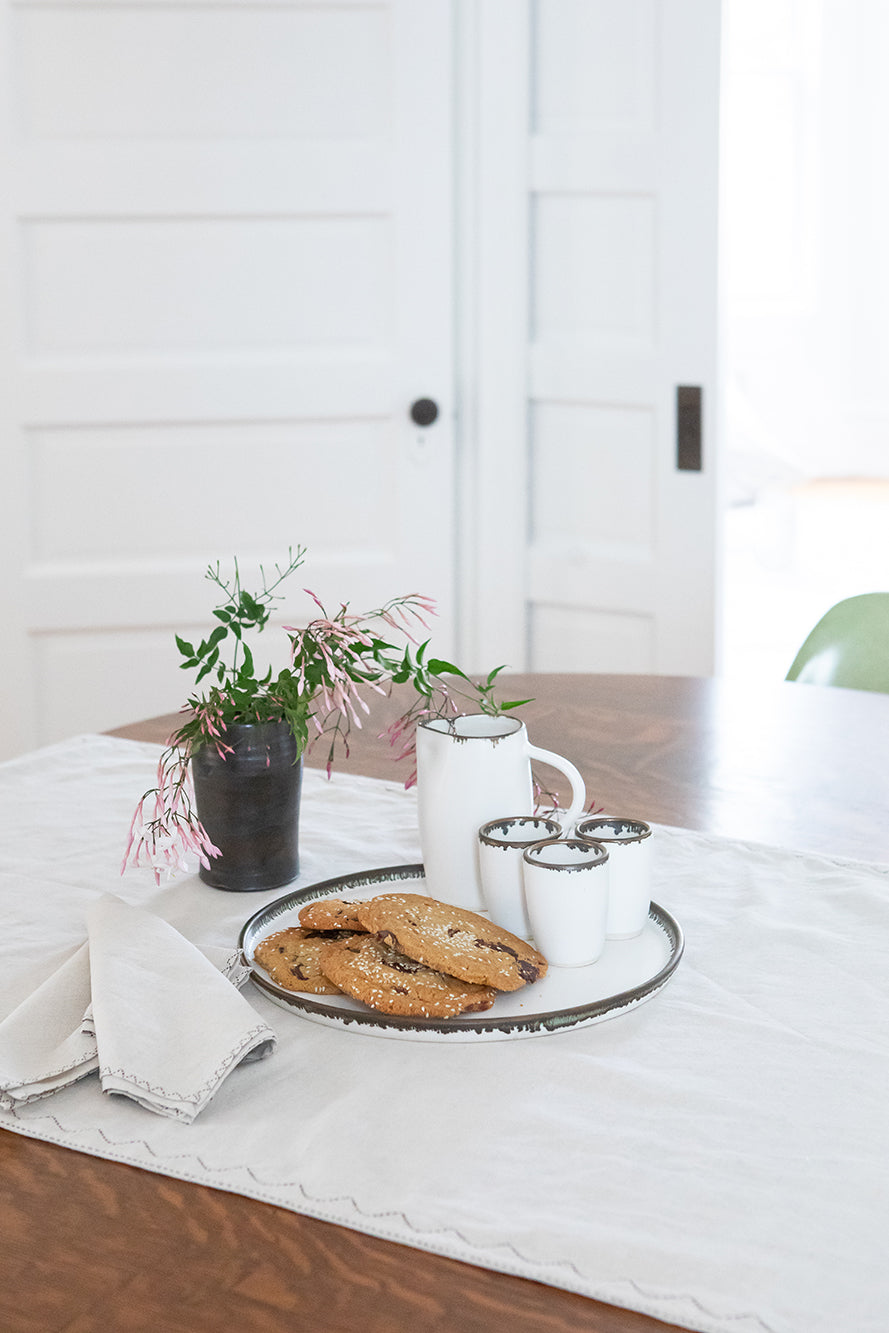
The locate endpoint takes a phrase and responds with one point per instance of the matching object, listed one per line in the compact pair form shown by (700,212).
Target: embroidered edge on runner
(571,1278)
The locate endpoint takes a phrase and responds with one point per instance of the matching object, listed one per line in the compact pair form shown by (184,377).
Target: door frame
(492,100)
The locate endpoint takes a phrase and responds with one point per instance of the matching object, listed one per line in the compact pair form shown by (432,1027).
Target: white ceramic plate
(628,973)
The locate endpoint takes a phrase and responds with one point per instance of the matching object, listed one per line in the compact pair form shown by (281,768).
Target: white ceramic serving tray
(628,973)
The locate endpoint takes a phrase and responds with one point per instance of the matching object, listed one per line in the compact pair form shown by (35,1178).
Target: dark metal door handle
(424,411)
(688,427)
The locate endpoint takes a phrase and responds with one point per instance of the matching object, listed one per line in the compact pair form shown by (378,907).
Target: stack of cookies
(400,953)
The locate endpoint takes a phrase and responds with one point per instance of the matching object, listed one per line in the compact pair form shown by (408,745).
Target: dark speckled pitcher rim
(497,726)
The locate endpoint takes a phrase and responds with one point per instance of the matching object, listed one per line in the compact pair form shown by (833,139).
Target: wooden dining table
(93,1244)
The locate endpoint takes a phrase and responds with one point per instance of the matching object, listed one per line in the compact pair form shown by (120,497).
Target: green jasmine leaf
(438,667)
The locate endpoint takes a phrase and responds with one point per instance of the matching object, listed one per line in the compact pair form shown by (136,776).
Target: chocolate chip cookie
(369,970)
(330,914)
(452,940)
(293,958)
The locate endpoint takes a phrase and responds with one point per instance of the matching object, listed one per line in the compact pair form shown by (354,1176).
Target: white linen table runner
(715,1158)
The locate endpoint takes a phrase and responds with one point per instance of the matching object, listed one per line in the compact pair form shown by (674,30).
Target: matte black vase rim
(241,739)
(269,722)
(274,725)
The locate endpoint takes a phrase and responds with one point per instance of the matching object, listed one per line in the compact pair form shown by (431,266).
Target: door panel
(169,285)
(227,246)
(226,71)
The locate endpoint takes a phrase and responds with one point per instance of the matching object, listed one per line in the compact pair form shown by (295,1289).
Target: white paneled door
(606,457)
(225,274)
(230,247)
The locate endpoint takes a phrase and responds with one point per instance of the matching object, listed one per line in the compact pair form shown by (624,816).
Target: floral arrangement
(334,661)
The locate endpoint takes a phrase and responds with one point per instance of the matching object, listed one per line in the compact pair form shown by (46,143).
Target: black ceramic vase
(248,802)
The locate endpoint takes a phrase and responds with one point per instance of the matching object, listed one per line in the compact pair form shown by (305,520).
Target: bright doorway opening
(806,291)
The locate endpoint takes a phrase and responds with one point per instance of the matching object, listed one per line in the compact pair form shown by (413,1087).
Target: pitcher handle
(578,788)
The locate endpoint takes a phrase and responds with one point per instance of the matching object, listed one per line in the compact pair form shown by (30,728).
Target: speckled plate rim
(497,1028)
(360,1018)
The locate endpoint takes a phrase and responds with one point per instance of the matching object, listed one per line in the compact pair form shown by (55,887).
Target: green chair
(849,646)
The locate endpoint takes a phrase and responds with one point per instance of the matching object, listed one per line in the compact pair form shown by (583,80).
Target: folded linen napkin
(169,1027)
(43,1045)
(160,1019)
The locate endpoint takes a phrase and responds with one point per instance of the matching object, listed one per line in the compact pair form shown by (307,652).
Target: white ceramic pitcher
(470,770)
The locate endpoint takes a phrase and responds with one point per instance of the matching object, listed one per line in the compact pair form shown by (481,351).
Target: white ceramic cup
(566,893)
(629,844)
(501,843)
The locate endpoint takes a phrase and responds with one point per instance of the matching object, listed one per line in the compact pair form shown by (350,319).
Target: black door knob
(424,411)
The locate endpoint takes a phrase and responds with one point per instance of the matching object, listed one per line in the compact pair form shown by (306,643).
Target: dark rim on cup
(581,844)
(486,831)
(597,829)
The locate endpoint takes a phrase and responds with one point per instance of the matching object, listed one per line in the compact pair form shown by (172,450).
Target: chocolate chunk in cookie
(330,914)
(293,957)
(384,979)
(452,940)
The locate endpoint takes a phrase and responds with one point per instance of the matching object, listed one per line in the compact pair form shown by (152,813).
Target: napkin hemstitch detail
(51,1073)
(221,1069)
(9,1102)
